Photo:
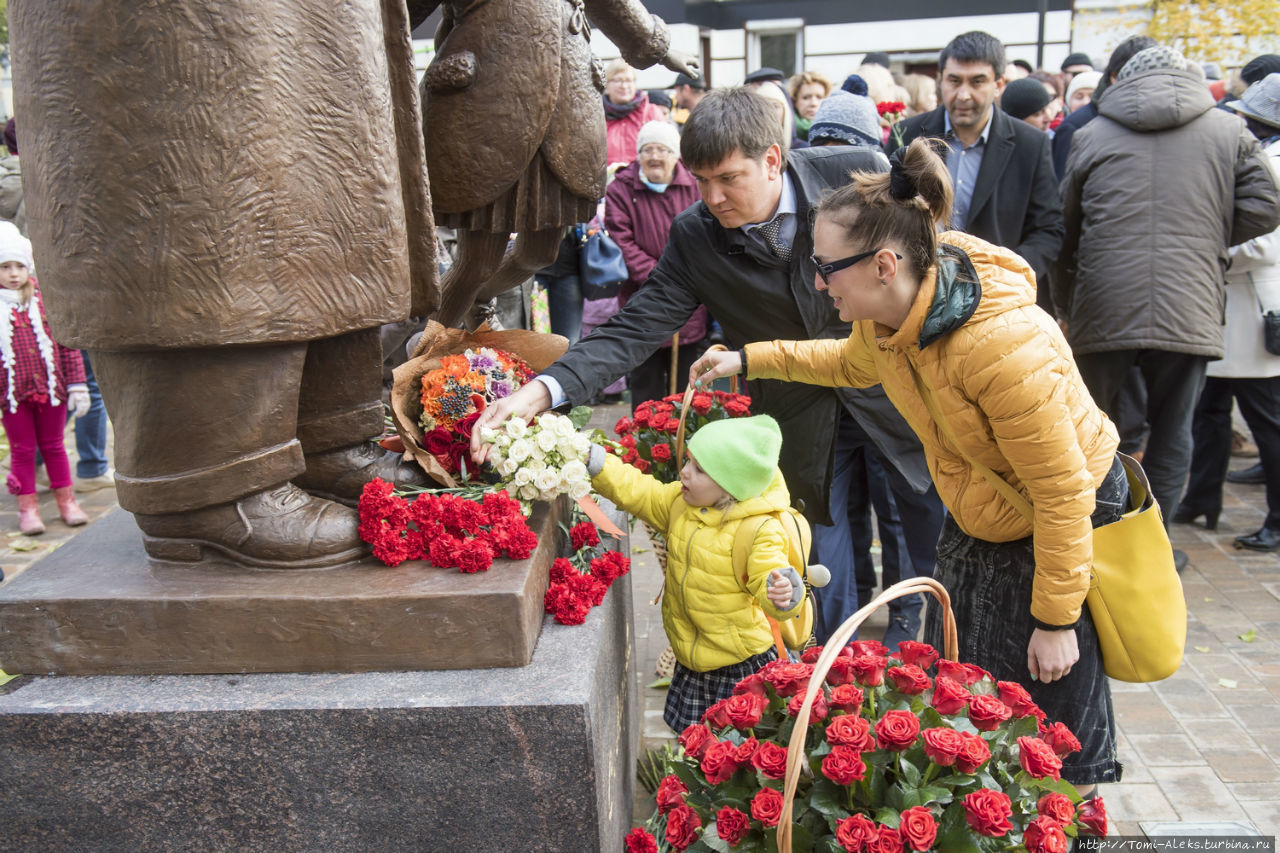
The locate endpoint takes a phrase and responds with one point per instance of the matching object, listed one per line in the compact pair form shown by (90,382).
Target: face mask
(658,188)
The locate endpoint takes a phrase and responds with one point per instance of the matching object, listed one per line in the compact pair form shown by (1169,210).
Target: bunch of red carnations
(904,752)
(579,582)
(447,528)
(648,438)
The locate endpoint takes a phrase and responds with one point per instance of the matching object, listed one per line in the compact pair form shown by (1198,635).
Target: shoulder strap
(1016,500)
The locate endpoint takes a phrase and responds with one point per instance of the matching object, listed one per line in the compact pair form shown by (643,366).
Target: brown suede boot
(72,514)
(29,515)
(278,528)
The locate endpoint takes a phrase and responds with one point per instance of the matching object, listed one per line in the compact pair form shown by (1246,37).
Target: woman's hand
(533,398)
(713,365)
(1051,654)
(780,590)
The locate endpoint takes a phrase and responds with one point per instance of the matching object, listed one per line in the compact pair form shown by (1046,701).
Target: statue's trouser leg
(201,427)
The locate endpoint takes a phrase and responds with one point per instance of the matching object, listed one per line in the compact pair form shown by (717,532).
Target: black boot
(1265,539)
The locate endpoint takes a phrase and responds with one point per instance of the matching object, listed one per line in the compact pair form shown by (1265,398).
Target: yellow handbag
(1135,595)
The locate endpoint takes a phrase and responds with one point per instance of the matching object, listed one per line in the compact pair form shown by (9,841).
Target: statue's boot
(340,475)
(278,528)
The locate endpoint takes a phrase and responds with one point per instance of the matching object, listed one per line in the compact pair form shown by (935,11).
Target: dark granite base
(536,758)
(98,605)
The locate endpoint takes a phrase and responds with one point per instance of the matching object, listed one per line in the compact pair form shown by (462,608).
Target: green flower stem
(929,773)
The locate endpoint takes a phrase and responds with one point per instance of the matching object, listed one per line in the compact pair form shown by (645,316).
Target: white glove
(78,400)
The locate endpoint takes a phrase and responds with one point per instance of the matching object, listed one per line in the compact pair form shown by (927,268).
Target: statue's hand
(683,63)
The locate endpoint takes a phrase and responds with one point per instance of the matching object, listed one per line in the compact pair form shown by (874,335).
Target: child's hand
(780,589)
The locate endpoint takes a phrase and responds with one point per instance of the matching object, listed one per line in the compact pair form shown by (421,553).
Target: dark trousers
(833,544)
(1173,381)
(1260,404)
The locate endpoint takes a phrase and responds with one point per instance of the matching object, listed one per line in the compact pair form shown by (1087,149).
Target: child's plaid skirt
(691,693)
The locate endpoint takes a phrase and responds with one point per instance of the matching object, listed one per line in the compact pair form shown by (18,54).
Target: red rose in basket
(651,435)
(921,753)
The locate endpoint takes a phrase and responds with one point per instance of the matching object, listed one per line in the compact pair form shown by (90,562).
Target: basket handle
(688,398)
(837,641)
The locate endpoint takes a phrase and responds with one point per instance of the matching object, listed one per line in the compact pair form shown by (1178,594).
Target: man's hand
(1051,654)
(780,589)
(533,398)
(713,365)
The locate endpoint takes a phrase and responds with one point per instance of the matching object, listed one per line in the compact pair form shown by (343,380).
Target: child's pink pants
(36,425)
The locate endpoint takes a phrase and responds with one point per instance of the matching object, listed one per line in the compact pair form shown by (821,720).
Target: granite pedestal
(98,605)
(535,758)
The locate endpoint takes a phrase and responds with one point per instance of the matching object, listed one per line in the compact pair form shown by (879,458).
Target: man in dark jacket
(1158,186)
(1001,167)
(745,251)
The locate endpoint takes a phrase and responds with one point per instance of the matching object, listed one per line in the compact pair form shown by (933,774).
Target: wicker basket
(795,748)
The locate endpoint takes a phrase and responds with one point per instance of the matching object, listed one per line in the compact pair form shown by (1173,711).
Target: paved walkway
(1203,745)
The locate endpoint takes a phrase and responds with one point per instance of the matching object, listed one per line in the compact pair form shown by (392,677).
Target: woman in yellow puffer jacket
(949,322)
(714,619)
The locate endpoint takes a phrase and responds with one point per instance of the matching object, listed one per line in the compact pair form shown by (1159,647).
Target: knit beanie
(661,132)
(740,454)
(1255,69)
(1160,56)
(1025,97)
(847,119)
(1076,59)
(659,97)
(13,246)
(1084,80)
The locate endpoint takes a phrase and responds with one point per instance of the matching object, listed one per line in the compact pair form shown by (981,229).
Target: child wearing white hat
(39,380)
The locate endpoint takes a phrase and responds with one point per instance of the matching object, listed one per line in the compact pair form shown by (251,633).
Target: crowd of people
(931,289)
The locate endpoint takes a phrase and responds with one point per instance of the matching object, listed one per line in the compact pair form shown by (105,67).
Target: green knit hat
(740,454)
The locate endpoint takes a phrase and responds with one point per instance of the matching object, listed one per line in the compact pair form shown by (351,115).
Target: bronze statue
(227,199)
(515,128)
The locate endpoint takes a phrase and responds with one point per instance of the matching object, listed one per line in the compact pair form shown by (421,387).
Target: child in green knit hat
(715,617)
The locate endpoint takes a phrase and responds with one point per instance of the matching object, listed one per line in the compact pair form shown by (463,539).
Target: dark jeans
(833,545)
(564,303)
(1260,404)
(91,430)
(1173,381)
(990,584)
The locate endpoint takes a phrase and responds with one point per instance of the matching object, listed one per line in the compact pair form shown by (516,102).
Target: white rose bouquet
(540,460)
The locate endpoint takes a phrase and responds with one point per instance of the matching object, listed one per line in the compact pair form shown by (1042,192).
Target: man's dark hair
(975,46)
(1123,53)
(729,121)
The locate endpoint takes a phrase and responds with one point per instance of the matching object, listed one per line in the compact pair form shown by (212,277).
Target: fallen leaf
(1208,599)
(1202,649)
(1249,636)
(21,544)
(660,684)
(5,677)
(636,549)
(1229,683)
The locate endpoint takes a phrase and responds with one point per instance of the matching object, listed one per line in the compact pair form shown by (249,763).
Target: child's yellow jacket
(709,615)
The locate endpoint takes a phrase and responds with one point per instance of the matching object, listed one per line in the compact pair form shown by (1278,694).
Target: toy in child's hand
(818,575)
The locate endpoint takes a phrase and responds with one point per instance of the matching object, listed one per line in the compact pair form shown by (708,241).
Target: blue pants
(834,544)
(564,302)
(91,430)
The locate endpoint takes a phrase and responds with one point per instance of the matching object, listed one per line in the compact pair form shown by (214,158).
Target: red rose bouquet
(903,752)
(648,441)
(579,582)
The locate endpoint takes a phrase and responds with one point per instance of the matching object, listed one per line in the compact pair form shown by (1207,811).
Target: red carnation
(918,828)
(732,825)
(588,588)
(1038,758)
(766,806)
(610,566)
(843,765)
(988,812)
(683,827)
(562,570)
(640,841)
(897,730)
(583,535)
(671,793)
(475,555)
